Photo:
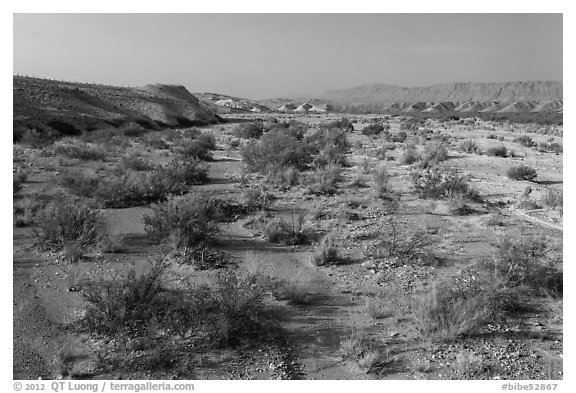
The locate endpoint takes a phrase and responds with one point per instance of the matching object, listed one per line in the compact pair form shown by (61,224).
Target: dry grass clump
(257,198)
(382,182)
(409,155)
(434,154)
(468,146)
(327,254)
(358,349)
(553,199)
(326,180)
(291,232)
(136,162)
(437,184)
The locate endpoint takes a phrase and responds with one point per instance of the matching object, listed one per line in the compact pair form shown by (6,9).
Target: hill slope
(70,107)
(454,92)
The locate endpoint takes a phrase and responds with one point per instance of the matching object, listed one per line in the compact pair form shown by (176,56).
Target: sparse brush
(18,178)
(443,314)
(257,198)
(188,219)
(521,172)
(135,162)
(326,180)
(438,184)
(524,141)
(382,182)
(409,155)
(373,129)
(195,150)
(66,221)
(251,130)
(553,198)
(290,233)
(79,150)
(327,254)
(468,146)
(434,154)
(358,349)
(26,212)
(378,308)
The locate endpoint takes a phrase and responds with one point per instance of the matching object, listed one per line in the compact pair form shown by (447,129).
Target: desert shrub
(327,254)
(437,184)
(18,178)
(442,313)
(275,151)
(373,129)
(124,191)
(187,221)
(206,140)
(553,198)
(378,308)
(293,128)
(287,176)
(409,155)
(492,136)
(328,145)
(155,141)
(176,178)
(381,182)
(552,147)
(79,150)
(25,212)
(402,244)
(257,198)
(66,221)
(360,350)
(399,137)
(251,130)
(342,124)
(526,262)
(433,154)
(468,146)
(80,183)
(499,151)
(135,162)
(195,150)
(524,140)
(521,172)
(291,232)
(34,138)
(326,180)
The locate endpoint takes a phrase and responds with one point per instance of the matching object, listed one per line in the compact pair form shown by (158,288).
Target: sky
(283,55)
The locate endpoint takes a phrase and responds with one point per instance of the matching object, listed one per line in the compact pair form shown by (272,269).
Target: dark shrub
(409,155)
(18,178)
(343,124)
(499,151)
(275,151)
(67,221)
(521,172)
(524,141)
(135,162)
(326,180)
(438,184)
(187,221)
(288,232)
(80,150)
(252,130)
(293,128)
(399,137)
(373,129)
(433,154)
(195,150)
(207,141)
(328,145)
(553,198)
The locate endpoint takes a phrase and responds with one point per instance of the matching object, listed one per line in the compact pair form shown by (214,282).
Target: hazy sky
(272,55)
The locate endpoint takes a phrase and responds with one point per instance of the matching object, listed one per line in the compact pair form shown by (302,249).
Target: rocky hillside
(70,107)
(450,92)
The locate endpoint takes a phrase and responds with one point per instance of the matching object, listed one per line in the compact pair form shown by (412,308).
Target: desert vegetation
(381,246)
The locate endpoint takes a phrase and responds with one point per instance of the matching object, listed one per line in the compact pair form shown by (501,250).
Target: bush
(399,137)
(434,154)
(195,150)
(409,155)
(468,146)
(252,130)
(499,151)
(444,314)
(327,254)
(290,233)
(524,141)
(187,221)
(293,128)
(553,198)
(326,180)
(257,198)
(521,172)
(79,150)
(65,221)
(373,129)
(342,124)
(18,178)
(135,162)
(553,147)
(274,152)
(438,184)
(526,262)
(328,146)
(402,244)
(381,182)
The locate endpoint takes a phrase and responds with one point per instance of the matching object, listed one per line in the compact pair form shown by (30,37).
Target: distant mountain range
(449,92)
